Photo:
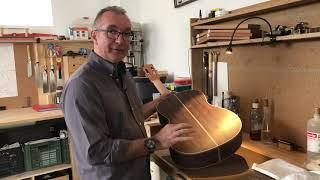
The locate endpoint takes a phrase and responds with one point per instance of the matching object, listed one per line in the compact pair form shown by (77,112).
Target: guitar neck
(160,87)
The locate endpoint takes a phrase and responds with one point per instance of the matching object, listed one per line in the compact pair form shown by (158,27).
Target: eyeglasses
(114,34)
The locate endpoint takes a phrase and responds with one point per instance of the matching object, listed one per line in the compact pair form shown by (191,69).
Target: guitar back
(217,131)
(213,126)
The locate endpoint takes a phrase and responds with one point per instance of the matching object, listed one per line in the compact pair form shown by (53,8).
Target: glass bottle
(255,121)
(266,123)
(313,142)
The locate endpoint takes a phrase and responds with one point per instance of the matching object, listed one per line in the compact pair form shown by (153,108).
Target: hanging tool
(210,77)
(59,72)
(52,78)
(45,77)
(205,64)
(36,66)
(217,101)
(58,52)
(29,65)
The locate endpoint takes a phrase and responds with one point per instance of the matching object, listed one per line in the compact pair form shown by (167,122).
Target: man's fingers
(181,139)
(181,126)
(182,132)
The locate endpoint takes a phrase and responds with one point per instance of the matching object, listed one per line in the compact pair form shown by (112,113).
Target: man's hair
(114,9)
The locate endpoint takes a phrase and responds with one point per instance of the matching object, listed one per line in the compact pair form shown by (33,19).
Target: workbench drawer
(77,60)
(71,64)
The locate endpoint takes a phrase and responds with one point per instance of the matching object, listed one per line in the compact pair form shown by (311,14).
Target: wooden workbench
(250,151)
(25,116)
(236,167)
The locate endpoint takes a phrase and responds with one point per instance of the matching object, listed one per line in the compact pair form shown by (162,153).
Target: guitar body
(217,131)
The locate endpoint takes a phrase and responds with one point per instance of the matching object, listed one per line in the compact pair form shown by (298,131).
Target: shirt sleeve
(85,117)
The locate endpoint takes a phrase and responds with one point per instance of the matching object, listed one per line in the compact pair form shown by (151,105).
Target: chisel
(29,65)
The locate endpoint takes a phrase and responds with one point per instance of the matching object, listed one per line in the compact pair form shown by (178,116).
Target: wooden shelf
(32,40)
(25,116)
(31,174)
(306,36)
(256,9)
(17,40)
(66,41)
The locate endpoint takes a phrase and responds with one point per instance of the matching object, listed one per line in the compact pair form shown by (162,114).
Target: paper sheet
(223,80)
(277,168)
(8,80)
(222,83)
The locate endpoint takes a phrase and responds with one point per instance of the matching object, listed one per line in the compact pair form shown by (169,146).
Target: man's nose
(120,38)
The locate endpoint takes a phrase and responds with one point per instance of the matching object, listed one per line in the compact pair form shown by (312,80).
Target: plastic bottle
(313,142)
(266,123)
(255,121)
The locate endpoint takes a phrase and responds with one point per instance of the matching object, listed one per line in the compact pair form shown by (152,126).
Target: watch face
(150,144)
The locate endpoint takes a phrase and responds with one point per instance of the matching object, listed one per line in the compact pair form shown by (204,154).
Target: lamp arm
(254,17)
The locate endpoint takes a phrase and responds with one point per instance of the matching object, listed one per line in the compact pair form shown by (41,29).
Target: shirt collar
(104,66)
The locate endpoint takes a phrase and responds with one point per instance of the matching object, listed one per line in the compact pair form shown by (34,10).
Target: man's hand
(173,133)
(164,96)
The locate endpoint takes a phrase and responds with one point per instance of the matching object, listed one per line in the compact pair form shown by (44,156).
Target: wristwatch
(150,144)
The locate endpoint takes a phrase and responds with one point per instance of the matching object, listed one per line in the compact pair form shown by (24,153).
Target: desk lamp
(272,39)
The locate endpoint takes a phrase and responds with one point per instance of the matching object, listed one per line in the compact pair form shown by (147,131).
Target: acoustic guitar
(217,130)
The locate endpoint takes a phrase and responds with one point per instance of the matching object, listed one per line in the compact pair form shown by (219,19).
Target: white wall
(166,30)
(64,12)
(133,9)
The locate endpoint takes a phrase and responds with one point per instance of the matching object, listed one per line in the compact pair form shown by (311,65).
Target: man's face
(106,43)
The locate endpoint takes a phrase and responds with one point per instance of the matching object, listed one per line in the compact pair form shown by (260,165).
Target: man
(103,111)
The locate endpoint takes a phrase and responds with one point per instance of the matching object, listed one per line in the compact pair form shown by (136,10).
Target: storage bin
(65,153)
(11,160)
(42,153)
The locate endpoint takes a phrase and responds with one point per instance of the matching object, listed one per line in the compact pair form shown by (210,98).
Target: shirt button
(140,123)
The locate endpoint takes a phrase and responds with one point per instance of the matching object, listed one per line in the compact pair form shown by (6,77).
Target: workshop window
(26,13)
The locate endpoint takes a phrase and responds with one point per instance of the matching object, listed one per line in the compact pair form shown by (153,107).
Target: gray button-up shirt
(103,118)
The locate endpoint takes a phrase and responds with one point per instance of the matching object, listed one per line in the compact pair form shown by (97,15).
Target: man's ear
(94,36)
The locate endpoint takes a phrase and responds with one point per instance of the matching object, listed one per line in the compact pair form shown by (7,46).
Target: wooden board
(47,98)
(260,41)
(236,167)
(26,86)
(38,172)
(270,150)
(287,72)
(283,74)
(23,116)
(257,9)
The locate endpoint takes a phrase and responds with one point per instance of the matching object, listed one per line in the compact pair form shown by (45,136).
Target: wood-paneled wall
(288,73)
(26,86)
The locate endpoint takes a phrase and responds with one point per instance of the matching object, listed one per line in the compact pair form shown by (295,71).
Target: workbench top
(25,116)
(238,166)
(250,152)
